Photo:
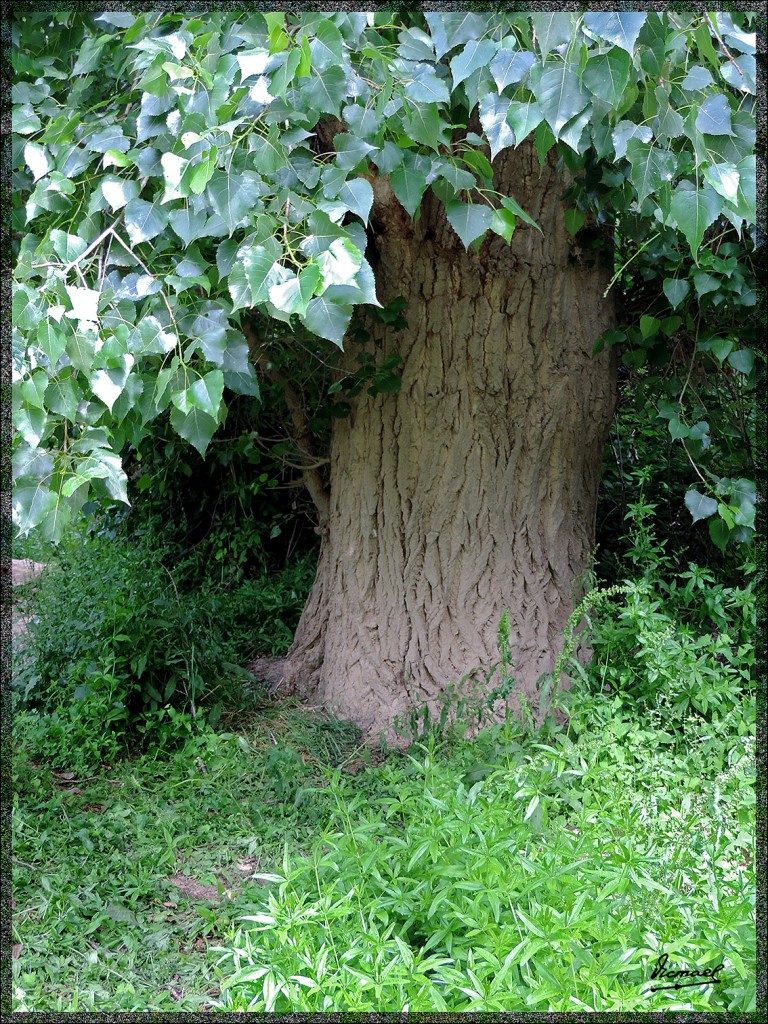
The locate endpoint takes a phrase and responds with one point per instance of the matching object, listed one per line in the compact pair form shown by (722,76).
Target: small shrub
(682,643)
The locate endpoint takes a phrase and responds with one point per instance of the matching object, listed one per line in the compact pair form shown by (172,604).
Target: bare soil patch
(24,570)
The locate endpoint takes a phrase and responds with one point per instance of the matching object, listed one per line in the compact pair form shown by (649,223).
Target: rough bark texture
(474,489)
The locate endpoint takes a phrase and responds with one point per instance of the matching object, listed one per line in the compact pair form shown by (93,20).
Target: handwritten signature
(700,976)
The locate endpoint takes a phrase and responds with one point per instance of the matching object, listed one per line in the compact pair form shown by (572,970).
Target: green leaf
(143,221)
(651,167)
(649,326)
(357,196)
(31,464)
(233,197)
(196,426)
(204,394)
(478,162)
(188,224)
(697,79)
(408,184)
(327,319)
(552,29)
(326,45)
(524,118)
(694,210)
(607,75)
(424,125)
(514,207)
(724,179)
(678,429)
(705,283)
(675,290)
(574,220)
(619,28)
(268,153)
(51,341)
(699,505)
(426,87)
(543,140)
(63,397)
(668,123)
(202,173)
(67,247)
(746,195)
(293,295)
(339,263)
(714,116)
(106,139)
(26,307)
(31,504)
(476,54)
(511,66)
(30,423)
(326,91)
(283,78)
(150,337)
(493,118)
(36,159)
(108,384)
(719,533)
(262,271)
(457,177)
(449,30)
(469,222)
(114,478)
(559,93)
(81,348)
(114,158)
(243,383)
(90,54)
(719,347)
(33,389)
(503,223)
(24,120)
(118,192)
(743,360)
(626,131)
(573,133)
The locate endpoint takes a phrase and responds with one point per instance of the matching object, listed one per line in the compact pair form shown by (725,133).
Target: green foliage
(115,651)
(717,461)
(683,643)
(169,178)
(101,921)
(433,895)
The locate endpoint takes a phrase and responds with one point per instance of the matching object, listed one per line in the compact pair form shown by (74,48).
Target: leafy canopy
(169,177)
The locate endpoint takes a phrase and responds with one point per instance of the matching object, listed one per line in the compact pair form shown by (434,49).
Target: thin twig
(727,51)
(695,467)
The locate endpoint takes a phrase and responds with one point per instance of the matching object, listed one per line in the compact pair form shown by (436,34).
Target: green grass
(552,882)
(100,924)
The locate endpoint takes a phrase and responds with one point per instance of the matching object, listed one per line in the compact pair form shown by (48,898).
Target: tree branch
(311,476)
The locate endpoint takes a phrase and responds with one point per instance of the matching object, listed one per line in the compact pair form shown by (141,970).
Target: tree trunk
(474,489)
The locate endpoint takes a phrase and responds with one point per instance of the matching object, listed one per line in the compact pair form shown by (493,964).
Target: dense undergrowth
(276,864)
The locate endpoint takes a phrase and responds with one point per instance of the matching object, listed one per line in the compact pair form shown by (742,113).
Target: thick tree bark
(474,489)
